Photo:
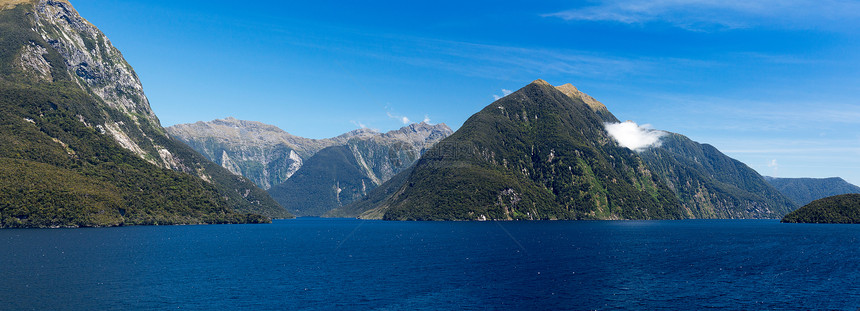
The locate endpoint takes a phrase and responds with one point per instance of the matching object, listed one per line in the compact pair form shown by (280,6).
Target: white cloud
(633,136)
(775,167)
(359,124)
(721,14)
(402,119)
(505,92)
(426,119)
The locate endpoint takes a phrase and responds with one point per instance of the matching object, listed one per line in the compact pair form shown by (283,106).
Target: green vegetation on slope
(710,184)
(329,179)
(534,154)
(366,207)
(56,171)
(61,171)
(840,209)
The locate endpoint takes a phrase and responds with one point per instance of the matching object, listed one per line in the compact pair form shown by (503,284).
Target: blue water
(321,264)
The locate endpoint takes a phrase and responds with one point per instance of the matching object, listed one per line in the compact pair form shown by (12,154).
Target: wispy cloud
(400,118)
(707,112)
(358,124)
(505,92)
(481,60)
(426,119)
(709,15)
(775,166)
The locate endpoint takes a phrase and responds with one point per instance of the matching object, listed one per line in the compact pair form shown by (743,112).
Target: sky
(771,83)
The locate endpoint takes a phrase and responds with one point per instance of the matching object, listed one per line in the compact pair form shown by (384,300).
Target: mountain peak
(540,82)
(11,4)
(423,126)
(571,91)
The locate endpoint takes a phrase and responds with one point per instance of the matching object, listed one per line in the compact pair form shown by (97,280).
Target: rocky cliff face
(98,67)
(270,156)
(52,56)
(384,155)
(339,175)
(90,56)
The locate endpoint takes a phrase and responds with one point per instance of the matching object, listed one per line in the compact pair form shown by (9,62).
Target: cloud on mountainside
(633,136)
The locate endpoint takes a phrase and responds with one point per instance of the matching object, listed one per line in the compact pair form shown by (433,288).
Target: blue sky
(774,84)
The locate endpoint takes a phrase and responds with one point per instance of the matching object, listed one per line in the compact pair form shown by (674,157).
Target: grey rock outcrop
(270,156)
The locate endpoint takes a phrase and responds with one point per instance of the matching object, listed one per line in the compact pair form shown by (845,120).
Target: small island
(839,209)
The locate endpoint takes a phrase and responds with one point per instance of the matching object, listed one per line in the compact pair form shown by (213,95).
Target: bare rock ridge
(570,90)
(269,155)
(263,153)
(310,176)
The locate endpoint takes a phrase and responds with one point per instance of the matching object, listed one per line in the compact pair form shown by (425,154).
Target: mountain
(269,156)
(265,154)
(339,175)
(805,190)
(80,145)
(543,153)
(538,153)
(839,209)
(710,184)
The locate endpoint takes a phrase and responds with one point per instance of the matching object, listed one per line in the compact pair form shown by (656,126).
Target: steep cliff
(71,102)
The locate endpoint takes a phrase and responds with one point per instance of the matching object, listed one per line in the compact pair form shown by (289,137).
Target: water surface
(323,264)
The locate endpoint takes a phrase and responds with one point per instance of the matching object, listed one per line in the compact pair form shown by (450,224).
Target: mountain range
(80,146)
(309,177)
(543,152)
(80,143)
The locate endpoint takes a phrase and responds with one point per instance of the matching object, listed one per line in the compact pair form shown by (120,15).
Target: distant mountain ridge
(339,175)
(269,155)
(543,153)
(310,176)
(805,190)
(261,152)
